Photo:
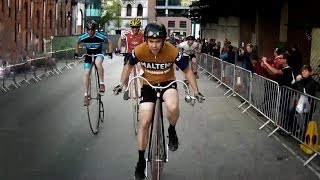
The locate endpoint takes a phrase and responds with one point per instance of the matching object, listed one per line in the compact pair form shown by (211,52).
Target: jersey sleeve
(103,37)
(82,37)
(133,60)
(181,62)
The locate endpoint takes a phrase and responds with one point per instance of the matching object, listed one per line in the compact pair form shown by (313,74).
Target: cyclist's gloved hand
(117,89)
(76,55)
(199,97)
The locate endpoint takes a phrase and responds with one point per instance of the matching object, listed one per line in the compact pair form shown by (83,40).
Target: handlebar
(91,55)
(162,87)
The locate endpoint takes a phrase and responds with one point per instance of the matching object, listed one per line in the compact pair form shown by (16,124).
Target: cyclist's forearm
(110,48)
(119,43)
(77,48)
(126,73)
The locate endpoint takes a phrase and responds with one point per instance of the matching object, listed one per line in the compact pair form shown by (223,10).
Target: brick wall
(25,26)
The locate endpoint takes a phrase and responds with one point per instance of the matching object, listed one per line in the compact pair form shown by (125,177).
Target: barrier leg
(273,131)
(219,84)
(246,108)
(231,94)
(242,104)
(5,89)
(310,159)
(264,124)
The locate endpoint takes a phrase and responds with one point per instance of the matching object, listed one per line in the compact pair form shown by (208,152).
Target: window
(26,15)
(61,19)
(140,10)
(171,24)
(38,19)
(19,5)
(9,8)
(50,19)
(160,12)
(178,13)
(161,3)
(183,24)
(129,10)
(174,3)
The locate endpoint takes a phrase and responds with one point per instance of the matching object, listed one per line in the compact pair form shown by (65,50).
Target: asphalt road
(44,134)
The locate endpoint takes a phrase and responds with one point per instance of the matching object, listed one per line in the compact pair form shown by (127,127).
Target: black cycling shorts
(190,57)
(126,58)
(150,95)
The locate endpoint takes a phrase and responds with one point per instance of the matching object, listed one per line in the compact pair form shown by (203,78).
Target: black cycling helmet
(155,30)
(190,37)
(91,24)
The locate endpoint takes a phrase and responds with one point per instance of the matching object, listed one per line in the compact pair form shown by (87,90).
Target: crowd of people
(285,67)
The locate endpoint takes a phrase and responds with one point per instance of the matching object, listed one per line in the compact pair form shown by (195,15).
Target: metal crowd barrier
(242,85)
(276,103)
(17,73)
(294,116)
(227,76)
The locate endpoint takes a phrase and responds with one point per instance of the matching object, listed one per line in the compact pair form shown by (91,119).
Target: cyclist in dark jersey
(93,42)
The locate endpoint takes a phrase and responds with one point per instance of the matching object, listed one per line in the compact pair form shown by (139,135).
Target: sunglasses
(153,34)
(135,27)
(90,29)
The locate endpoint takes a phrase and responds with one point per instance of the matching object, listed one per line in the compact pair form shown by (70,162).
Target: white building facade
(129,9)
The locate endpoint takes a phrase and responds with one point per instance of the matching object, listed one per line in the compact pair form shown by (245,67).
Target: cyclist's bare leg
(86,80)
(145,119)
(171,100)
(194,67)
(100,68)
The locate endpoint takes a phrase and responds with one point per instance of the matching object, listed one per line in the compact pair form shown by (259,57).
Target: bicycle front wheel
(94,109)
(157,148)
(135,104)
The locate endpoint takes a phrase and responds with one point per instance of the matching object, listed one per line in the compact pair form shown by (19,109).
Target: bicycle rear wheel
(95,107)
(157,147)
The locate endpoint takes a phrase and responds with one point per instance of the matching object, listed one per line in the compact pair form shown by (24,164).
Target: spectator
(245,57)
(273,67)
(211,45)
(229,56)
(295,59)
(257,68)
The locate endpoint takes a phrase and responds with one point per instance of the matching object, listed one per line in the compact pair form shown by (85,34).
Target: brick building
(26,25)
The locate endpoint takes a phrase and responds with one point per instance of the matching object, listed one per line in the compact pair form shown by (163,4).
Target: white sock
(85,94)
(101,82)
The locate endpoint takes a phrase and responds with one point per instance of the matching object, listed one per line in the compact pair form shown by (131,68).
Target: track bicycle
(95,108)
(157,154)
